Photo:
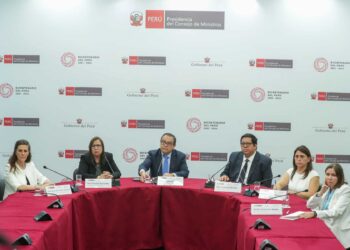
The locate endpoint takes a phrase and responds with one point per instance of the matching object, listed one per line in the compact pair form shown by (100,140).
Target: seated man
(248,166)
(165,161)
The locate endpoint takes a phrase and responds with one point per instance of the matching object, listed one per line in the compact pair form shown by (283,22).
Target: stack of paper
(292,216)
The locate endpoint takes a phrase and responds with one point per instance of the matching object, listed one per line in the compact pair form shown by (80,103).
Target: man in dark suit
(165,161)
(248,165)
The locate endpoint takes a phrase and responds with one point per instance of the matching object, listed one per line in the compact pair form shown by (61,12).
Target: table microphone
(285,195)
(210,183)
(115,181)
(253,193)
(56,203)
(73,187)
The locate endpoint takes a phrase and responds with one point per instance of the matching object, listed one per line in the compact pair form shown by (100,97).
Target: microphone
(115,181)
(284,195)
(253,193)
(210,183)
(73,187)
(56,203)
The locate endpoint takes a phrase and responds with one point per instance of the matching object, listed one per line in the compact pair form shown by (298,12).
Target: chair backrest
(75,173)
(2,188)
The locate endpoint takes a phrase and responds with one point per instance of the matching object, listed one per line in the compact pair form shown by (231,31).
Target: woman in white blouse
(332,204)
(301,176)
(21,173)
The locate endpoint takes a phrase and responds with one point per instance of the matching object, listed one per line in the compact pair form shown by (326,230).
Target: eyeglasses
(166,143)
(96,146)
(246,144)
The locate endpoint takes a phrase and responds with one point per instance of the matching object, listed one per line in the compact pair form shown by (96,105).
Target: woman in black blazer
(97,163)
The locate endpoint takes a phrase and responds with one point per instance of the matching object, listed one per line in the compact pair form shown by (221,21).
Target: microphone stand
(210,183)
(155,179)
(253,193)
(115,182)
(56,203)
(73,187)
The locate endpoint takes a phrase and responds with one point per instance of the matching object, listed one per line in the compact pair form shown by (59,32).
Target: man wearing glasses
(165,161)
(248,165)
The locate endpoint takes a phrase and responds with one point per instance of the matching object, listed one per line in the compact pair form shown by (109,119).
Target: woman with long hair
(21,173)
(332,204)
(301,176)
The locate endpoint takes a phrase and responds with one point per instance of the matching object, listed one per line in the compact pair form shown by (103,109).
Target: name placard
(58,190)
(266,209)
(223,186)
(170,181)
(270,193)
(98,183)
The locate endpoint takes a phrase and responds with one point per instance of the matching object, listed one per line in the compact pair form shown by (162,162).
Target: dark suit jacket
(259,170)
(153,162)
(87,166)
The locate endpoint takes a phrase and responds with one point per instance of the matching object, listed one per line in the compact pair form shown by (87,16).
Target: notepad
(292,216)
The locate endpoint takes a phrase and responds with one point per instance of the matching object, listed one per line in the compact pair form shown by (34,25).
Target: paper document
(292,216)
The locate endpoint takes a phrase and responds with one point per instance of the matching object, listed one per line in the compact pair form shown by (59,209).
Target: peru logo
(155,19)
(250,125)
(136,18)
(123,124)
(61,91)
(125,60)
(251,62)
(188,93)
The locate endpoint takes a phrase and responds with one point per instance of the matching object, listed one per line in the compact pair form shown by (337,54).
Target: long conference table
(146,216)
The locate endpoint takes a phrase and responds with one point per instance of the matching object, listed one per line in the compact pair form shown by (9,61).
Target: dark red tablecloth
(298,243)
(126,217)
(17,217)
(304,229)
(198,218)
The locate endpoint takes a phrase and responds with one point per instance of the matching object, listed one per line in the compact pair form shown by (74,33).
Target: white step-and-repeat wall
(207,71)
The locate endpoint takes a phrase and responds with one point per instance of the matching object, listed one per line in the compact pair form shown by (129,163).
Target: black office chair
(75,172)
(2,188)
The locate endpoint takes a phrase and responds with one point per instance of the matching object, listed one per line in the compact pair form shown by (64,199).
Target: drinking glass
(256,186)
(285,203)
(78,180)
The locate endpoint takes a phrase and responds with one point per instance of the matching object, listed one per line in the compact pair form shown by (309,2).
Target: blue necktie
(165,168)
